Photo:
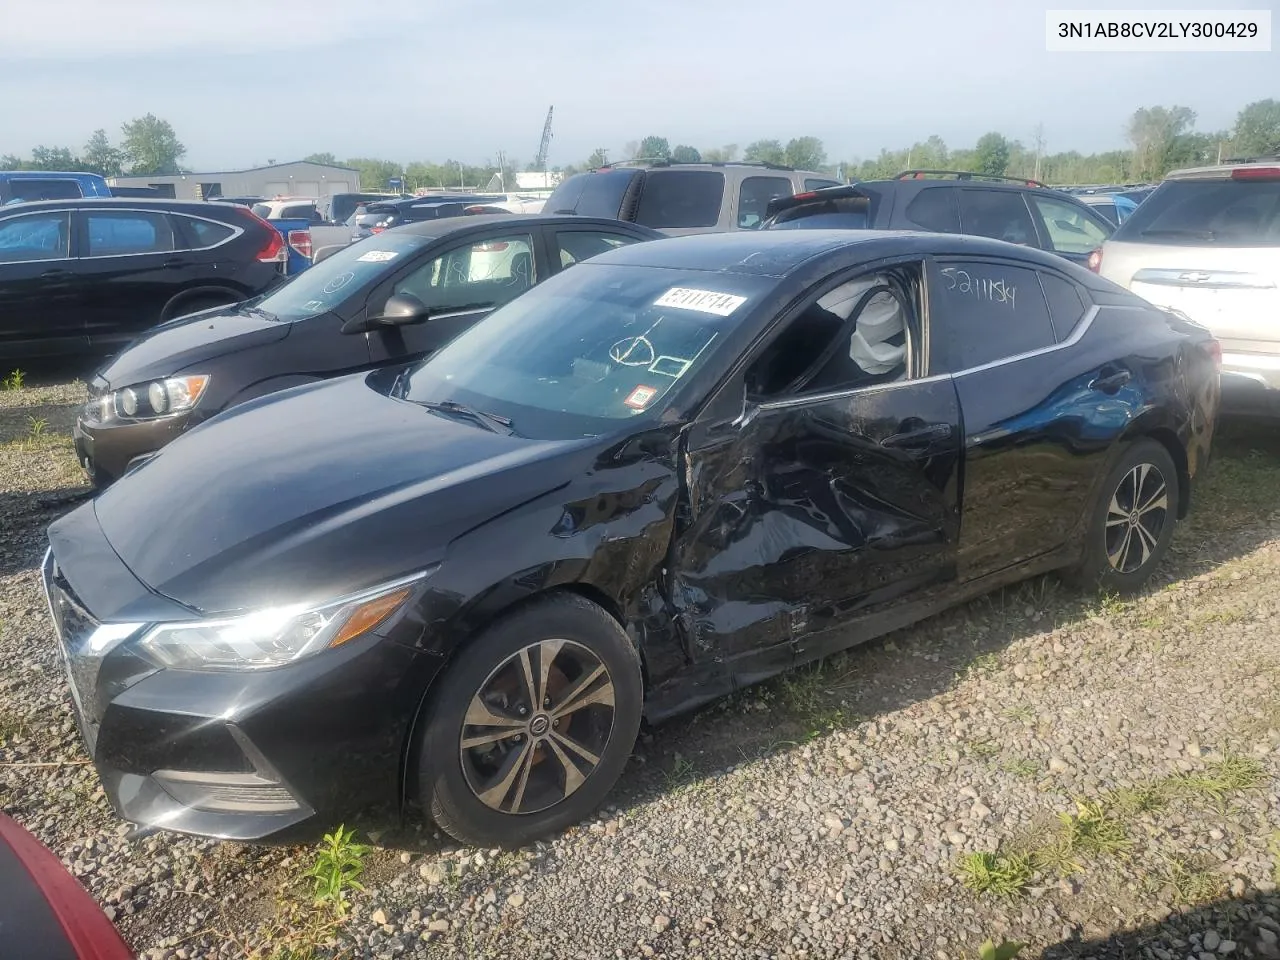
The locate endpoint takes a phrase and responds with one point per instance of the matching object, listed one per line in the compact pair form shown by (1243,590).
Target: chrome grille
(74,626)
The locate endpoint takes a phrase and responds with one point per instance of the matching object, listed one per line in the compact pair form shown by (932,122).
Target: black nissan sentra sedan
(676,469)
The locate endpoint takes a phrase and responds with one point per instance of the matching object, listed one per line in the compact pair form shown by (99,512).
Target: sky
(246,81)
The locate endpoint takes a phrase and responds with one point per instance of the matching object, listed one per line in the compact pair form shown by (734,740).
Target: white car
(512,204)
(1207,243)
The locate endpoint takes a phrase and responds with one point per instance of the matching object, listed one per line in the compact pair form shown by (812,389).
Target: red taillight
(1256,173)
(1094,262)
(1215,351)
(804,196)
(376,229)
(275,251)
(300,240)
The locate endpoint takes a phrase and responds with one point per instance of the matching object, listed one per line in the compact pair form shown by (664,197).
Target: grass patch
(14,380)
(1190,882)
(1023,713)
(983,749)
(996,874)
(804,694)
(339,863)
(1023,767)
(12,726)
(1225,776)
(681,773)
(1094,830)
(1273,848)
(981,665)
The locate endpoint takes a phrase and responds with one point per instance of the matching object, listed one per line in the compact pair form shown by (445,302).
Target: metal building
(299,179)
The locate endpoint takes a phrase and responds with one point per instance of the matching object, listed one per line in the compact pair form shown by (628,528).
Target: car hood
(182,343)
(315,492)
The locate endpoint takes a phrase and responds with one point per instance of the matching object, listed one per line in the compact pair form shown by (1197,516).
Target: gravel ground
(1118,761)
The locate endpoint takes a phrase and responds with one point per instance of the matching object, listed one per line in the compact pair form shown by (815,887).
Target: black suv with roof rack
(1013,209)
(680,198)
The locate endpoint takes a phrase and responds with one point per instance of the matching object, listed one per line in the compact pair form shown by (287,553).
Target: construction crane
(540,162)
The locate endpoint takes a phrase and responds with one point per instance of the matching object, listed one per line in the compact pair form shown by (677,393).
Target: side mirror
(399,310)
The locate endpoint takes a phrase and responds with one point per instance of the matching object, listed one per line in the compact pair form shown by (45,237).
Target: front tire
(532,725)
(1132,524)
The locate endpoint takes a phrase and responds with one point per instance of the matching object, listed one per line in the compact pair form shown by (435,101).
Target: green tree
(765,151)
(726,154)
(1257,131)
(653,148)
(151,147)
(683,153)
(991,155)
(929,155)
(52,158)
(599,158)
(1153,132)
(101,157)
(327,158)
(374,174)
(806,153)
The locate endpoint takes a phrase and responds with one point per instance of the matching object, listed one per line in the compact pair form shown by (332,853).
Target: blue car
(21,186)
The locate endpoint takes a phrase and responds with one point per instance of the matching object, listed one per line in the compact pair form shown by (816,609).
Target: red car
(44,911)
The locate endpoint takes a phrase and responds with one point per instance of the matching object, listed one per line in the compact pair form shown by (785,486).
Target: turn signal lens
(1094,262)
(368,615)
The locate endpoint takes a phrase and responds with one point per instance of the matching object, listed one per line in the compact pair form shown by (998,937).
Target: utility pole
(1039,141)
(462,183)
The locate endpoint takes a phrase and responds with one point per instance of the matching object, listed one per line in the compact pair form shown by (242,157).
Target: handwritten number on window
(980,288)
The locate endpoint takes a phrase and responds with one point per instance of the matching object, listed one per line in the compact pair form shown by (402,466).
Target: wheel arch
(498,604)
(1158,426)
(205,291)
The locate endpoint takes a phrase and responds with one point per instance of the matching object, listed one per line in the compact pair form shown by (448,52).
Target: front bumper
(273,754)
(107,451)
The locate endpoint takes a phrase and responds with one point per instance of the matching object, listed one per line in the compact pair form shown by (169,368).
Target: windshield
(1232,213)
(331,281)
(590,347)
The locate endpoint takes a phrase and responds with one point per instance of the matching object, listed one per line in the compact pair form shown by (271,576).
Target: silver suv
(1207,243)
(679,198)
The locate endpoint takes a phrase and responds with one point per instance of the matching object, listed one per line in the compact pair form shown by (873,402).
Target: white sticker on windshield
(377,256)
(703,301)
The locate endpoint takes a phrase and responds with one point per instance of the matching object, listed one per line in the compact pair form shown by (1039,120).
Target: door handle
(915,438)
(175,263)
(55,275)
(1111,380)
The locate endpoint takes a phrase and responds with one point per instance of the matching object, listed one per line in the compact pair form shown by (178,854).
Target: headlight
(274,636)
(146,401)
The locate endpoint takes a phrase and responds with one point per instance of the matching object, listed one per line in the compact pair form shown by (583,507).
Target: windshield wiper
(257,311)
(490,421)
(1198,234)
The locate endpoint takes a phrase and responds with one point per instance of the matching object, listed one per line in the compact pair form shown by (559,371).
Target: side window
(298,211)
(124,232)
(578,245)
(999,214)
(1065,304)
(206,233)
(754,196)
(811,183)
(985,311)
(856,334)
(26,189)
(672,199)
(1070,229)
(486,273)
(934,209)
(41,236)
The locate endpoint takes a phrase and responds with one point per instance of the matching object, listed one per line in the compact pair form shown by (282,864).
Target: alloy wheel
(1136,518)
(537,727)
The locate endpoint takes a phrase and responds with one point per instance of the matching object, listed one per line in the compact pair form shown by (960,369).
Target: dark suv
(1015,210)
(89,275)
(679,198)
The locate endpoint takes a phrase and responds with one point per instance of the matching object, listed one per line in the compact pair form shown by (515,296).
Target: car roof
(452,225)
(777,253)
(1221,171)
(46,174)
(123,203)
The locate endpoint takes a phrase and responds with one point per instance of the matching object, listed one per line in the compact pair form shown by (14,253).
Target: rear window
(52,189)
(206,233)
(934,209)
(262,210)
(680,199)
(592,194)
(845,213)
(1233,213)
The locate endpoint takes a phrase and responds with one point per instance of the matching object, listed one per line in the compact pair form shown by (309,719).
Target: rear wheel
(533,724)
(1133,521)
